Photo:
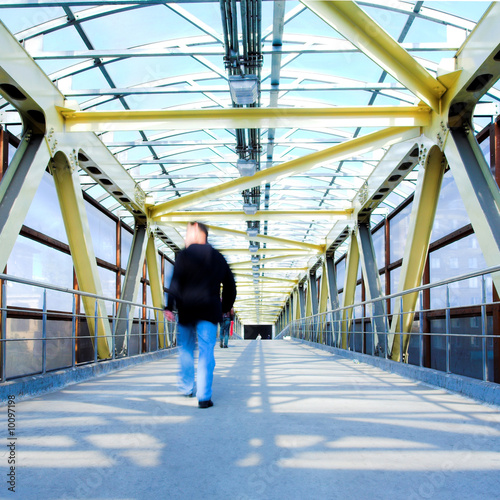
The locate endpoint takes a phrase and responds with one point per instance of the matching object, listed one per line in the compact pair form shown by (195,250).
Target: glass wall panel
(394,277)
(44,214)
(103,232)
(12,152)
(450,213)
(460,257)
(358,311)
(399,226)
(465,346)
(108,284)
(341,274)
(59,349)
(485,148)
(24,357)
(379,245)
(38,262)
(126,244)
(168,271)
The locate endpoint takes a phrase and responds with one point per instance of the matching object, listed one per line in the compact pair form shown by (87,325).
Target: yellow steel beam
(266,278)
(262,215)
(27,87)
(249,118)
(267,251)
(363,32)
(324,290)
(238,265)
(260,238)
(357,146)
(82,250)
(480,50)
(101,165)
(351,273)
(274,269)
(154,274)
(416,246)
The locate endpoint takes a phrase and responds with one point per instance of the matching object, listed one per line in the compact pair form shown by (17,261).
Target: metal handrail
(332,325)
(73,317)
(436,284)
(56,288)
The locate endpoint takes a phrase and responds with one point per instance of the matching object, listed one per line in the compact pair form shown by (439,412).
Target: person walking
(199,271)
(225,326)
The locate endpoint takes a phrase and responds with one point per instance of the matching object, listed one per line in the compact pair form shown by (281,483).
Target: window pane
(44,214)
(38,262)
(394,277)
(108,284)
(126,244)
(103,232)
(168,270)
(341,273)
(399,226)
(379,246)
(450,213)
(461,257)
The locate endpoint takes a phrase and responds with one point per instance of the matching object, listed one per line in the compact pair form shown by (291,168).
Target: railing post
(148,331)
(484,329)
(421,330)
(386,333)
(448,324)
(113,331)
(44,331)
(165,332)
(401,346)
(353,330)
(4,331)
(73,332)
(127,327)
(96,333)
(140,331)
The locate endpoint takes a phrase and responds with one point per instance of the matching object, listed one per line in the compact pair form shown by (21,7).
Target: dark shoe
(225,346)
(205,404)
(221,346)
(189,395)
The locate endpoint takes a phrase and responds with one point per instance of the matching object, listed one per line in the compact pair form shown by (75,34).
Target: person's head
(196,232)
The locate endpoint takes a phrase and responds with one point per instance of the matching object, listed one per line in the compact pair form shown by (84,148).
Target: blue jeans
(186,339)
(224,331)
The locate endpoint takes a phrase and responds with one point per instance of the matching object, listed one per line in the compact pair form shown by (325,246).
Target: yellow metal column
(416,248)
(351,274)
(324,290)
(323,300)
(74,215)
(156,285)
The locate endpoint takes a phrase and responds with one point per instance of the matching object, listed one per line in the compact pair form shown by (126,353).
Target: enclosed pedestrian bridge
(345,157)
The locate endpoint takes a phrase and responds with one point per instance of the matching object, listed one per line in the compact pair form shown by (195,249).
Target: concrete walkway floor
(289,422)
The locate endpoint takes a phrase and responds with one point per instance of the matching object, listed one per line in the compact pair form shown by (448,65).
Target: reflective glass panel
(126,244)
(44,214)
(103,232)
(461,257)
(38,262)
(379,246)
(399,226)
(450,213)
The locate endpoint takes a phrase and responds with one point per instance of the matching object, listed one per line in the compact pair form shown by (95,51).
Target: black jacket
(199,271)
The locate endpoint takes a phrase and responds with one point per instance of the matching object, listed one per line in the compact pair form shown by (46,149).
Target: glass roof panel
(172,58)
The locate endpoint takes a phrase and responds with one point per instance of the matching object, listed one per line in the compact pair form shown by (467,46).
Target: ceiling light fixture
(244,88)
(246,168)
